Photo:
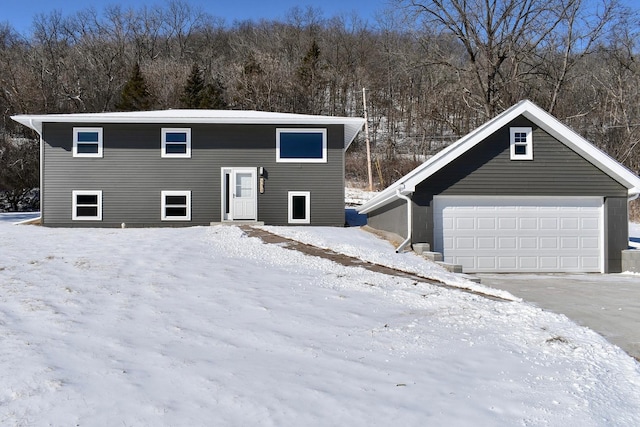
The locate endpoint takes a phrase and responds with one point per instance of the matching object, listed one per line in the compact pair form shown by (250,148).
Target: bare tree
(500,38)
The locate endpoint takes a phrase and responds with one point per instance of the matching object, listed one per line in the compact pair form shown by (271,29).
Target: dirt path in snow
(348,261)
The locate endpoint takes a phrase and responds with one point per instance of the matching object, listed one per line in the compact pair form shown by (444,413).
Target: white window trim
(75,194)
(307,196)
(322,131)
(163,215)
(164,153)
(75,142)
(529,143)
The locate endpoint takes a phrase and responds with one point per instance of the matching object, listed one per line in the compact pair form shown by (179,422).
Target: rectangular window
(87,205)
(87,142)
(521,146)
(299,207)
(176,206)
(301,145)
(176,142)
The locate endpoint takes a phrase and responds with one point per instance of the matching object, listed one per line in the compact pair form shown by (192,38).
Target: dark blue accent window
(308,145)
(88,137)
(176,142)
(87,142)
(176,137)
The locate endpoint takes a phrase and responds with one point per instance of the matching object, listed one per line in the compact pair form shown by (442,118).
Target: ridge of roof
(540,117)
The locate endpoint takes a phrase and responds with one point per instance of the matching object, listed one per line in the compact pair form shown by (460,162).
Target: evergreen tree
(199,95)
(308,80)
(193,90)
(135,95)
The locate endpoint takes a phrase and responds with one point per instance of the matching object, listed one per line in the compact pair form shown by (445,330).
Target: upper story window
(301,145)
(176,142)
(521,146)
(87,142)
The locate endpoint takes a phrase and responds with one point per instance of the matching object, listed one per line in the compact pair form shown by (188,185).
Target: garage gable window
(87,142)
(521,147)
(301,145)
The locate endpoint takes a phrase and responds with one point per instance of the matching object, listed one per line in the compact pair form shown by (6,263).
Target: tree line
(433,69)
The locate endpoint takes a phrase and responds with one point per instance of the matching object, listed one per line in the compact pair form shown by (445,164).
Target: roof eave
(352,125)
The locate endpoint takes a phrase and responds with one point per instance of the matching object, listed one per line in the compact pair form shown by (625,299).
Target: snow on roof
(537,115)
(352,125)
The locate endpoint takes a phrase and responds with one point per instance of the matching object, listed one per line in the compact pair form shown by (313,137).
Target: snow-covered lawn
(205,326)
(359,244)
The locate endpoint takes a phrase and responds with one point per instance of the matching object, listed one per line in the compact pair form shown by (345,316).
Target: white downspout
(409,219)
(39,132)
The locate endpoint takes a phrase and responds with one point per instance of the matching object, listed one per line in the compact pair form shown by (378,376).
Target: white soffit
(352,125)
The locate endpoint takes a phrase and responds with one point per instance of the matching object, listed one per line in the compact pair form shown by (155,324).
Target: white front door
(239,195)
(520,234)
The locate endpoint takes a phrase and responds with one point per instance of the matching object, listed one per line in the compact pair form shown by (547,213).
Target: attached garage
(521,193)
(515,234)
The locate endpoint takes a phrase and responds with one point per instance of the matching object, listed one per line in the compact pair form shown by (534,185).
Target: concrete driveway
(606,303)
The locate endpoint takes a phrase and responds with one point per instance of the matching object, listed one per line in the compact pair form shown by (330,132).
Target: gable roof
(352,125)
(537,115)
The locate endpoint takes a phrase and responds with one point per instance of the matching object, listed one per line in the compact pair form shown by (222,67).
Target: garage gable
(538,117)
(488,169)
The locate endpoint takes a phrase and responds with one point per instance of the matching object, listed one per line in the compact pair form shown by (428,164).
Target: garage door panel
(548,223)
(507,242)
(464,223)
(590,223)
(569,223)
(548,243)
(569,242)
(486,243)
(486,262)
(528,242)
(507,262)
(589,263)
(507,223)
(548,263)
(525,234)
(487,223)
(528,262)
(589,242)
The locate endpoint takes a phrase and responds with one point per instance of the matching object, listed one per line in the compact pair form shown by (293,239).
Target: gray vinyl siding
(131,174)
(616,219)
(392,218)
(486,169)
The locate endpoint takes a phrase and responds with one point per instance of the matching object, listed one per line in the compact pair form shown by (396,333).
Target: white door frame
(227,192)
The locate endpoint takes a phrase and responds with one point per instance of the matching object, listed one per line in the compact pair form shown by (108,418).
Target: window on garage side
(87,205)
(176,142)
(299,207)
(87,142)
(301,145)
(176,206)
(521,146)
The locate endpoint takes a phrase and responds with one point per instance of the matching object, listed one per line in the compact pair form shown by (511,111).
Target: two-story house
(191,167)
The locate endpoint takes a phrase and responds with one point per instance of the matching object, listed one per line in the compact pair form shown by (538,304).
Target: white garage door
(531,234)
